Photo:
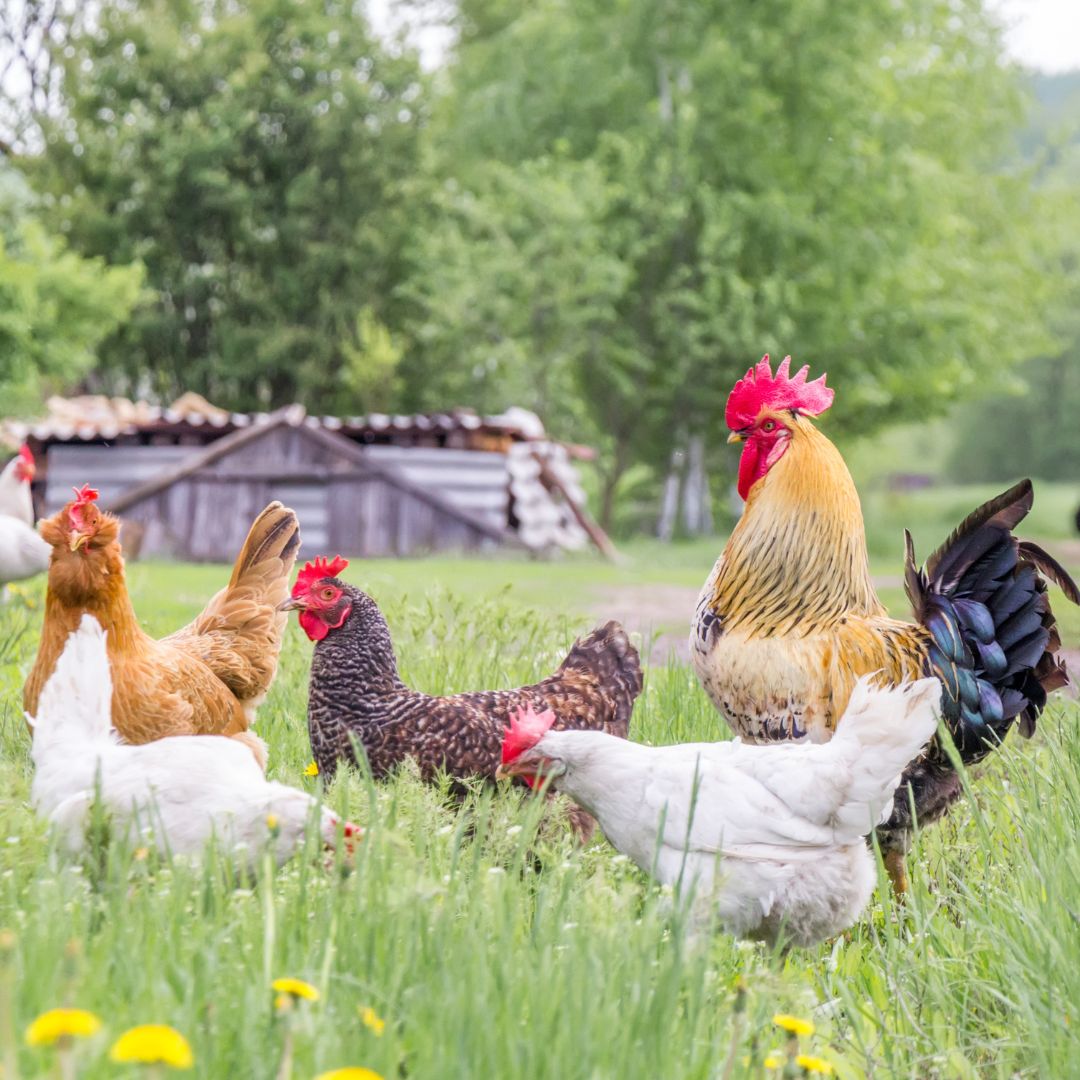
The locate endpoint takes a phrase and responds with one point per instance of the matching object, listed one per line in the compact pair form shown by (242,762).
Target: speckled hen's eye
(328,594)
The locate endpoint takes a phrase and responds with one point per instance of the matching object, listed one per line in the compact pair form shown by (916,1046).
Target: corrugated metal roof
(96,419)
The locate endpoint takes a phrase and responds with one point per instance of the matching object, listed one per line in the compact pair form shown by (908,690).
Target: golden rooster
(789,620)
(206,679)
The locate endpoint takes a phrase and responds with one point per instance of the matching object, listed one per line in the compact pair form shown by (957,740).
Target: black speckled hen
(357,694)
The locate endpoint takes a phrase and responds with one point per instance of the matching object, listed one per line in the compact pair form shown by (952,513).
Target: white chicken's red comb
(526,729)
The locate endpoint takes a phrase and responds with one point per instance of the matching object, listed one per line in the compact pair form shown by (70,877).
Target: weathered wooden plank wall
(205,515)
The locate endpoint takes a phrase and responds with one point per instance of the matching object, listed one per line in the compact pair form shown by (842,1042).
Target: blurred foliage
(603,212)
(253,156)
(1040,418)
(751,176)
(55,306)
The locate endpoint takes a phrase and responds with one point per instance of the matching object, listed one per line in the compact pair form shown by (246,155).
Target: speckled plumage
(357,694)
(789,620)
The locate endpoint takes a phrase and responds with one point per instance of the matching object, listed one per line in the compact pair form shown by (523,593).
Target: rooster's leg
(897,870)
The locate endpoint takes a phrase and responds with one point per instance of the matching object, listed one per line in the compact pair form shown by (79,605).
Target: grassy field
(489,944)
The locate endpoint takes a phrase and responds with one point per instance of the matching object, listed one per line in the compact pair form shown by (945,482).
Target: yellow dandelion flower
(312,770)
(371,1020)
(793,1024)
(295,988)
(271,821)
(153,1044)
(352,1073)
(56,1024)
(814,1064)
(774,1061)
(141,854)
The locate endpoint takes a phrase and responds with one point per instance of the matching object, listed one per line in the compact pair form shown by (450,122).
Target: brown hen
(206,679)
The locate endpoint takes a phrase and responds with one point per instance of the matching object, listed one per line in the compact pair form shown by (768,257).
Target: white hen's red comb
(526,729)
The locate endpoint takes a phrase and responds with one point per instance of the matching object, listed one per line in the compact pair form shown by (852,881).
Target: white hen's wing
(22,552)
(796,794)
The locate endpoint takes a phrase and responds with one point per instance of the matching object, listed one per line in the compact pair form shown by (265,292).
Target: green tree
(817,178)
(55,307)
(254,155)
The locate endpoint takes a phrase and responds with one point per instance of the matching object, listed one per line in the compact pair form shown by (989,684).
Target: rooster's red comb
(526,729)
(316,570)
(85,495)
(26,454)
(760,389)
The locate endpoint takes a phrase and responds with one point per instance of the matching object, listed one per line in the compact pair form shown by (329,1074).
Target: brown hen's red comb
(760,389)
(526,729)
(316,570)
(85,495)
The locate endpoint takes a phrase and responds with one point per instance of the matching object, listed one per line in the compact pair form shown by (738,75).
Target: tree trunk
(669,503)
(696,503)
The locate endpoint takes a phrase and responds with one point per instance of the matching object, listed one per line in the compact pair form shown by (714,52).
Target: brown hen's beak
(78,540)
(291,603)
(734,437)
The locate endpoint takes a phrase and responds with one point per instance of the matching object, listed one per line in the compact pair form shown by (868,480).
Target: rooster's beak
(77,540)
(290,603)
(734,437)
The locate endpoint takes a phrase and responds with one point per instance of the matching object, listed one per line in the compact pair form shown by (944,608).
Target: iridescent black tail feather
(994,641)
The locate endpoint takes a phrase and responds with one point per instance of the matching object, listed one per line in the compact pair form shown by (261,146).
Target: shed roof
(94,418)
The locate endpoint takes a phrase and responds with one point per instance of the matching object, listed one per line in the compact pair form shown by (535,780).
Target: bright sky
(1043,34)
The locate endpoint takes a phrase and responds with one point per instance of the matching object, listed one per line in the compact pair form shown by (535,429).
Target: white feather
(771,835)
(178,792)
(22,551)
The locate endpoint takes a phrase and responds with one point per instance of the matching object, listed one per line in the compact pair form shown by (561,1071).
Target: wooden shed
(369,486)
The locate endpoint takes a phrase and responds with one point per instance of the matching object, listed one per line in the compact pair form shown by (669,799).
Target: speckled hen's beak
(291,603)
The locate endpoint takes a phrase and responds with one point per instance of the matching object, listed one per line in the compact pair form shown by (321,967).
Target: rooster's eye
(769,425)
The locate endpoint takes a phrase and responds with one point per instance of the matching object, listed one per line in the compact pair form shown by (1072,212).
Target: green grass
(490,944)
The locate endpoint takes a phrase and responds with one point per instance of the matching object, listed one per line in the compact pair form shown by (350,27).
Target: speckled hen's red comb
(760,389)
(526,729)
(316,570)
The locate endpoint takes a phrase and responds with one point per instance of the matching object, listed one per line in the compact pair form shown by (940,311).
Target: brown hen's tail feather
(607,656)
(238,634)
(274,534)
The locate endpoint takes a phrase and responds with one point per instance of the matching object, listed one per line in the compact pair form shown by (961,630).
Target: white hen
(15,498)
(772,835)
(22,552)
(179,791)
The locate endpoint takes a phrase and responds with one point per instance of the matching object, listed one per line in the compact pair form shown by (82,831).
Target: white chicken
(772,836)
(177,792)
(15,498)
(23,553)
